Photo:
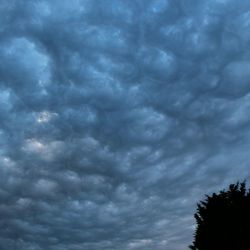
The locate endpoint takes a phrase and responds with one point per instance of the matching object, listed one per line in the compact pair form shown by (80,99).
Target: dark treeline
(223,220)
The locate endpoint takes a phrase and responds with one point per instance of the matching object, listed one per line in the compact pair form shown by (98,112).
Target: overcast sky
(116,117)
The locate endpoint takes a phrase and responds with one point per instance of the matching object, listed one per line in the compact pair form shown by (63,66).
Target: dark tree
(223,220)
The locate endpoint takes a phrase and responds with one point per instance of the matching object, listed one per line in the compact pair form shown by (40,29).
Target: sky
(117,117)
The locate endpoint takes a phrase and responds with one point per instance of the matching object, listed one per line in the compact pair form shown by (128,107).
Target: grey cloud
(117,117)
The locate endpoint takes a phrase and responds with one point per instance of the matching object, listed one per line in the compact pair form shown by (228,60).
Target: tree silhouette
(223,220)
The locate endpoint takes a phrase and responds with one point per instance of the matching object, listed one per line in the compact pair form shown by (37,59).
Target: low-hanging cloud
(116,117)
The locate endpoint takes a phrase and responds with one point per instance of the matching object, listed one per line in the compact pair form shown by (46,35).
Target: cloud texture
(116,117)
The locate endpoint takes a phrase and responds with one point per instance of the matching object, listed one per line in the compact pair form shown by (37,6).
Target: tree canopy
(223,220)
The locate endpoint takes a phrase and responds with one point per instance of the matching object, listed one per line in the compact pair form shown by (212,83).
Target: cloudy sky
(116,117)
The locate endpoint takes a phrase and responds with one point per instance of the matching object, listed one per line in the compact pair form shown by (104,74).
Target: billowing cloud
(117,117)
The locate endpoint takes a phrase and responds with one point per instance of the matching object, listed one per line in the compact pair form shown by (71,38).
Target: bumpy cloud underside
(117,116)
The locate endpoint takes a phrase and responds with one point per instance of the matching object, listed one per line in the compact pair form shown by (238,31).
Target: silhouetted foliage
(223,220)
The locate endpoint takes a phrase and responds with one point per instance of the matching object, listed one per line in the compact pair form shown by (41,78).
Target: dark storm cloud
(116,117)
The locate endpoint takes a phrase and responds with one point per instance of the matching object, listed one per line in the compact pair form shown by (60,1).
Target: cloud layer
(117,117)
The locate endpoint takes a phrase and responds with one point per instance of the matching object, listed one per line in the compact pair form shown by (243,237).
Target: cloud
(117,117)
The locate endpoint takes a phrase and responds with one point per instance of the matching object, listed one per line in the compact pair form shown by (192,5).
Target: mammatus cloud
(116,117)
